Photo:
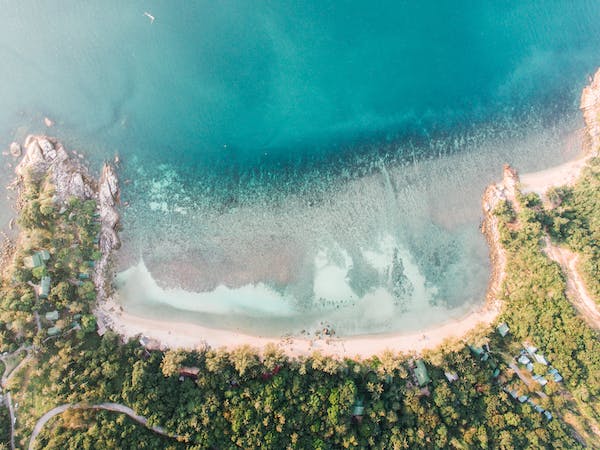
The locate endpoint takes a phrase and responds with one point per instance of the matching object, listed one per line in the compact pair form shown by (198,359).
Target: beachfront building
(483,354)
(149,343)
(479,352)
(421,373)
(503,329)
(188,372)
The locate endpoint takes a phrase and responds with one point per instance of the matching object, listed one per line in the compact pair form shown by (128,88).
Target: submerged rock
(108,199)
(15,149)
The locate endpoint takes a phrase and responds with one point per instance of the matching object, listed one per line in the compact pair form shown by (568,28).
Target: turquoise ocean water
(288,163)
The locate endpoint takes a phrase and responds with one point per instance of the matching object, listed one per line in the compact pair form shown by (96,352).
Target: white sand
(190,336)
(186,335)
(565,174)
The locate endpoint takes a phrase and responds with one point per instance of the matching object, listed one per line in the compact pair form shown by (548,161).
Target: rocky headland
(45,156)
(506,190)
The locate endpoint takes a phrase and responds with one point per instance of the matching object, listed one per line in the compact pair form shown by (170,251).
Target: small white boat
(149,16)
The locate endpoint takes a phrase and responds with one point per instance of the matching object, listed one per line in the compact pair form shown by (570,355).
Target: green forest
(473,393)
(575,221)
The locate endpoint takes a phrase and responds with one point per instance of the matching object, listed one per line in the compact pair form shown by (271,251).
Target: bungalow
(189,372)
(548,415)
(37,259)
(53,331)
(524,360)
(479,352)
(45,287)
(557,377)
(538,408)
(358,408)
(540,359)
(503,329)
(522,398)
(149,343)
(52,316)
(513,393)
(421,373)
(540,379)
(451,376)
(34,261)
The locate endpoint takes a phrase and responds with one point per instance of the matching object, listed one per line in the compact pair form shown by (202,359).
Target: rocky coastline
(506,189)
(590,106)
(46,156)
(494,194)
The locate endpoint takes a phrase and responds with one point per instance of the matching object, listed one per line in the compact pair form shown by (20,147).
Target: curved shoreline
(172,334)
(183,335)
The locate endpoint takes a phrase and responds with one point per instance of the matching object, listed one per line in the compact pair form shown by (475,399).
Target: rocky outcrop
(46,156)
(590,105)
(108,199)
(15,149)
(506,190)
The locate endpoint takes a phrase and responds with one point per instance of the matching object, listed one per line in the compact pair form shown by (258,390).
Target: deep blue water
(287,78)
(234,119)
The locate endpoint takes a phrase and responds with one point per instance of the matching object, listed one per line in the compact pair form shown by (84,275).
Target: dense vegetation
(238,400)
(86,429)
(68,233)
(575,220)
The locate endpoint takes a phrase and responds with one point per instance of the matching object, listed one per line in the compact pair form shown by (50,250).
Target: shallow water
(299,162)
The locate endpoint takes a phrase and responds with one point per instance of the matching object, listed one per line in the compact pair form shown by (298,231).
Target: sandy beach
(171,334)
(563,175)
(191,336)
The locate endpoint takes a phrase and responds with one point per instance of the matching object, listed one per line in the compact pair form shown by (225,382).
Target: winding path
(5,377)
(576,290)
(115,407)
